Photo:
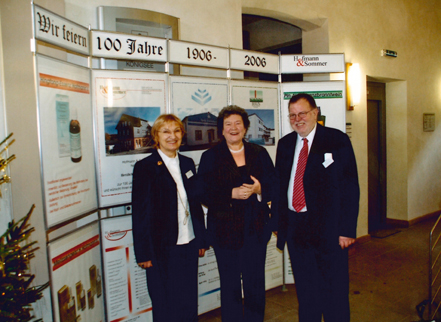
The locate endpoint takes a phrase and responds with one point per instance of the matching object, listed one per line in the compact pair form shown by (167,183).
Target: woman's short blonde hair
(159,123)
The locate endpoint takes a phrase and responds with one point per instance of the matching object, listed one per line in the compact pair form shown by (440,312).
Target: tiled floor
(389,277)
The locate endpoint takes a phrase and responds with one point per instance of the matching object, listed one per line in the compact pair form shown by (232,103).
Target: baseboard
(397,223)
(425,217)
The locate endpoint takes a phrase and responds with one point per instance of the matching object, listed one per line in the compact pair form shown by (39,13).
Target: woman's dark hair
(228,111)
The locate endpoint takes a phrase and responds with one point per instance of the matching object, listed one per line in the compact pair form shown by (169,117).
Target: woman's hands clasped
(247,190)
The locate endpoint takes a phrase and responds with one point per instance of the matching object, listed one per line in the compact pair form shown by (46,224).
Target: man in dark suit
(318,210)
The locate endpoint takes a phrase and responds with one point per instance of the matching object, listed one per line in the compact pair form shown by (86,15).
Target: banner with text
(187,53)
(126,46)
(59,31)
(305,64)
(254,61)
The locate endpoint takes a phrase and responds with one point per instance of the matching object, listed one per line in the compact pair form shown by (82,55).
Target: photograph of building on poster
(261,130)
(128,129)
(198,104)
(201,130)
(261,105)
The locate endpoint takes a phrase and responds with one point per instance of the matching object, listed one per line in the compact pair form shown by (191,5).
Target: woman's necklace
(187,213)
(237,151)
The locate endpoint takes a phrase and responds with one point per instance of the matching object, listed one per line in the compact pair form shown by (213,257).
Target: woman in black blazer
(168,224)
(238,181)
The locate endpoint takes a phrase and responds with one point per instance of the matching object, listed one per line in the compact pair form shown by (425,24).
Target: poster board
(273,265)
(66,139)
(125,105)
(76,276)
(197,102)
(208,283)
(330,97)
(289,276)
(127,295)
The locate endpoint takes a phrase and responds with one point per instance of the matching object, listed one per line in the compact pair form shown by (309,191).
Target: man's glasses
(301,115)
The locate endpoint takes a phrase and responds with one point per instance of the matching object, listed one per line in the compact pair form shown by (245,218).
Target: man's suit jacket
(219,174)
(331,192)
(155,206)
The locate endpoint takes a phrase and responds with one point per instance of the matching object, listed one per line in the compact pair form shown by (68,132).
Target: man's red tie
(298,197)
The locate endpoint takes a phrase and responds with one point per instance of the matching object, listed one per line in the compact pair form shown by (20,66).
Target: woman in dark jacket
(168,224)
(239,182)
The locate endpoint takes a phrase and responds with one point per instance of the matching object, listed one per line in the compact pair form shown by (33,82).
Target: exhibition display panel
(66,139)
(125,104)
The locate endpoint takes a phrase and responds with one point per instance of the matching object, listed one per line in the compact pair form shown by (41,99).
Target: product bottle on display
(71,311)
(75,137)
(63,302)
(78,288)
(98,283)
(92,277)
(62,113)
(83,299)
(90,299)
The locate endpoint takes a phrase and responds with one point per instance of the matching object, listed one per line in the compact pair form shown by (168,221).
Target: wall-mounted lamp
(353,85)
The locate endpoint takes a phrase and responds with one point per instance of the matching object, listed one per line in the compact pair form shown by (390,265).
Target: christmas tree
(16,251)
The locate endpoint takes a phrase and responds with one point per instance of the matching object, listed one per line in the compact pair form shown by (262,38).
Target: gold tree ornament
(4,161)
(2,269)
